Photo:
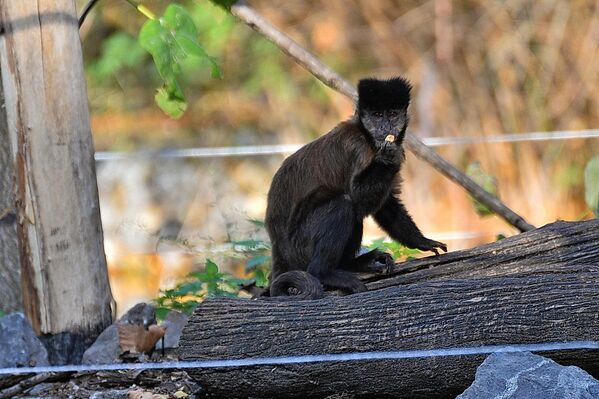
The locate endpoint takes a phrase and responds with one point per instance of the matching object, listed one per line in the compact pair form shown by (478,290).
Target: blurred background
(481,70)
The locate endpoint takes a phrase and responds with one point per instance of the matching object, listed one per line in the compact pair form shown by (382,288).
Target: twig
(139,7)
(28,383)
(332,79)
(88,7)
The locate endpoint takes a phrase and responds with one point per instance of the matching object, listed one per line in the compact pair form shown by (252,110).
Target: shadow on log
(539,286)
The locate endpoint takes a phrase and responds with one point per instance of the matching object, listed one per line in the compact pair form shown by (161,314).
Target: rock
(19,346)
(110,394)
(106,349)
(174,323)
(141,314)
(528,376)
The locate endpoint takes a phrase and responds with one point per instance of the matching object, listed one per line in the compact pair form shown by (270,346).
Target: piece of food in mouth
(390,138)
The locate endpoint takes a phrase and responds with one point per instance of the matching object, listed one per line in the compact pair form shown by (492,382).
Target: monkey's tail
(297,285)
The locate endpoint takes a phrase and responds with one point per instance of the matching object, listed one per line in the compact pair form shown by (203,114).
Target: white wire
(338,357)
(254,150)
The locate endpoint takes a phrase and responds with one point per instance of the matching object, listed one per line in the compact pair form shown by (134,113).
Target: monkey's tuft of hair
(376,94)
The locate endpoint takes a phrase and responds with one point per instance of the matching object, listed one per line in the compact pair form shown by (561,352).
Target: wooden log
(540,286)
(65,287)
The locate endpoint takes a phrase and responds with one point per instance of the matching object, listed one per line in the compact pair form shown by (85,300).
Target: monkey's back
(325,164)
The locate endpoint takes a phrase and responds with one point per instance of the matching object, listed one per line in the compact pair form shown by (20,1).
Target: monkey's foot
(382,262)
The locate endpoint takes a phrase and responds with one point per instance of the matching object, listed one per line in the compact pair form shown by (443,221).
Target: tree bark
(541,286)
(10,276)
(66,294)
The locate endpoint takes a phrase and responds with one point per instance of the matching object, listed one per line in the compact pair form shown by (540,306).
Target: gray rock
(19,346)
(142,314)
(174,323)
(111,394)
(528,376)
(106,348)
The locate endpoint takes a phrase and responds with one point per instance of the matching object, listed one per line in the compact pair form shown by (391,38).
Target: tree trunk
(541,286)
(66,294)
(10,287)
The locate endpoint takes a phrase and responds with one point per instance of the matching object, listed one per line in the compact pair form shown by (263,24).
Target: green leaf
(119,51)
(187,307)
(256,261)
(199,276)
(171,102)
(486,181)
(211,269)
(261,277)
(236,282)
(170,40)
(188,288)
(591,185)
(396,249)
(161,312)
(226,4)
(257,223)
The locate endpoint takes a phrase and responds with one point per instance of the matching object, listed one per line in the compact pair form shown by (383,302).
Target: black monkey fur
(321,194)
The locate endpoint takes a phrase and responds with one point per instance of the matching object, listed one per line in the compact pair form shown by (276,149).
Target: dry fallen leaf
(180,395)
(134,338)
(139,394)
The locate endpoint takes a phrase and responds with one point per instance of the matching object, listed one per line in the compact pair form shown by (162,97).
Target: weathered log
(540,286)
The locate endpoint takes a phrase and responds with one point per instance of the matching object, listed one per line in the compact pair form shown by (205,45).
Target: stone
(142,314)
(19,345)
(528,376)
(106,348)
(174,322)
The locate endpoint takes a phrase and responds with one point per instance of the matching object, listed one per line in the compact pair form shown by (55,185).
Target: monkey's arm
(372,183)
(368,186)
(395,220)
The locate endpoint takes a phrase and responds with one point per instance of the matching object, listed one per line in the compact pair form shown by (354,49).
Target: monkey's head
(383,108)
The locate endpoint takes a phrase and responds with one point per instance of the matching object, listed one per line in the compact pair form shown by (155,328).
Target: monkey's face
(383,123)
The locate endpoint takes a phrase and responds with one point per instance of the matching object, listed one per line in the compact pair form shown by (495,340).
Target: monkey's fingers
(433,246)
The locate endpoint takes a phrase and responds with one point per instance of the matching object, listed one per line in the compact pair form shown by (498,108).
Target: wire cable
(336,357)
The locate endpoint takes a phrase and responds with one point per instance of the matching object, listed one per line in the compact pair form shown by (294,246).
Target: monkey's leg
(396,221)
(331,228)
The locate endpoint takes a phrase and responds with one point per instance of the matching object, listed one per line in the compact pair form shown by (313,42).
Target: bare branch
(332,79)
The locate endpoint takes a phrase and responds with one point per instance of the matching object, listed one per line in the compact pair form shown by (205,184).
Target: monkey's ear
(376,94)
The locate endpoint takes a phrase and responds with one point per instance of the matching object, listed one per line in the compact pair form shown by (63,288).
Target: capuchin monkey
(319,197)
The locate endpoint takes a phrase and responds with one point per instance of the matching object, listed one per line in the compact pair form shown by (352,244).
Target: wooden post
(10,276)
(66,293)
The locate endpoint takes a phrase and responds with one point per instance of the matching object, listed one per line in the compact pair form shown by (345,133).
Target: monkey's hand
(431,245)
(388,154)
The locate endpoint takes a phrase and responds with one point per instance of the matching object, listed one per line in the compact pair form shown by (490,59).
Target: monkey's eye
(378,114)
(393,114)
